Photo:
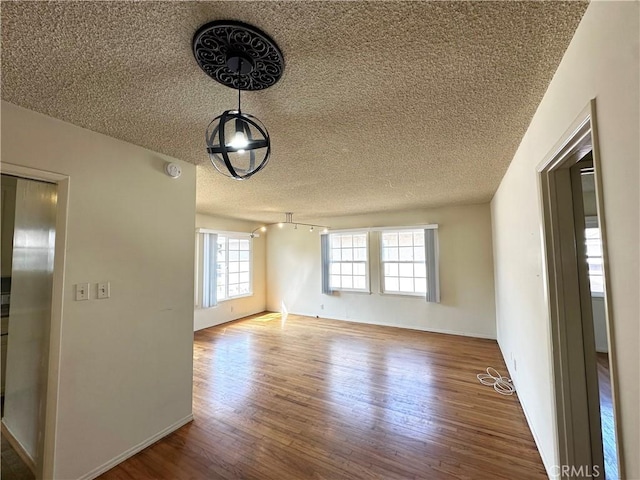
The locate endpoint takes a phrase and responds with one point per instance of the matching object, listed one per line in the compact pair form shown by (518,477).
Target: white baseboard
(200,324)
(545,461)
(18,447)
(514,379)
(133,450)
(387,324)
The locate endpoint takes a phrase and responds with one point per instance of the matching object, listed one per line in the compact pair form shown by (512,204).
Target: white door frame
(45,462)
(572,415)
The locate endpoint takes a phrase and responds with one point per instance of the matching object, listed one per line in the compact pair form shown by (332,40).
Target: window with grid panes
(403,262)
(233,267)
(349,261)
(594,260)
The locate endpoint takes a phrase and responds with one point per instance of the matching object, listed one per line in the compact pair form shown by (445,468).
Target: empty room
(320,240)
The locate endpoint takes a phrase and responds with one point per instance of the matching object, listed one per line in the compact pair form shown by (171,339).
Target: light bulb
(241,151)
(263,228)
(311,229)
(239,141)
(280,224)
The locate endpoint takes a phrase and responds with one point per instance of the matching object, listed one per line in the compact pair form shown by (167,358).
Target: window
(404,268)
(233,267)
(594,259)
(349,261)
(409,261)
(226,267)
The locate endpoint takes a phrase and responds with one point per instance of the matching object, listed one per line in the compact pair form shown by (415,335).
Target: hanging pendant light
(244,58)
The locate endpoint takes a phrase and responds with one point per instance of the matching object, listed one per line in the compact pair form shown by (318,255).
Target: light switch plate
(82,291)
(104,289)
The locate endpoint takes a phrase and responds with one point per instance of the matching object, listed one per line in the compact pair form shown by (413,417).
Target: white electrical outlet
(82,291)
(104,289)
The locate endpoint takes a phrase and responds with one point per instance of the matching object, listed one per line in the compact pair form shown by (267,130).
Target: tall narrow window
(209,264)
(403,262)
(239,267)
(409,262)
(226,267)
(349,261)
(594,257)
(325,248)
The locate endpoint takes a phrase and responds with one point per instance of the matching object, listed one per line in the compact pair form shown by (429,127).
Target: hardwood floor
(12,466)
(310,398)
(606,418)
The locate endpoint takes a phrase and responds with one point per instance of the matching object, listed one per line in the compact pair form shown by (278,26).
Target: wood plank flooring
(311,398)
(12,467)
(607,420)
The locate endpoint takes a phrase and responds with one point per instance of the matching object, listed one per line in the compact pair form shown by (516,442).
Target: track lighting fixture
(289,221)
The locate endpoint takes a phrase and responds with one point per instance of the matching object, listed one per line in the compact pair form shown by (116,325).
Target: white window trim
(199,269)
(382,262)
(591,221)
(244,295)
(224,232)
(399,294)
(241,236)
(367,279)
(430,226)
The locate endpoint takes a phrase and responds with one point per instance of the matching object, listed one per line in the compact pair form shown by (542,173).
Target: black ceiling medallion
(218,46)
(244,58)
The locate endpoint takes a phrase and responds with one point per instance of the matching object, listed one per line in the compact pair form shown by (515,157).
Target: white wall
(233,309)
(466,274)
(125,362)
(601,62)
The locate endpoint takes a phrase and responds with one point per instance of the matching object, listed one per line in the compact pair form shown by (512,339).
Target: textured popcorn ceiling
(382,106)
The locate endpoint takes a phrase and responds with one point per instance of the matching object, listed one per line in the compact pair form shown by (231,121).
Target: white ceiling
(383,105)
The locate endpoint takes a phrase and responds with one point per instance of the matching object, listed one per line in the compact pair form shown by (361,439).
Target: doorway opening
(34,219)
(28,247)
(580,310)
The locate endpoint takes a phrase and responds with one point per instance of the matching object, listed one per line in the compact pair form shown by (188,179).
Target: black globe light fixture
(241,57)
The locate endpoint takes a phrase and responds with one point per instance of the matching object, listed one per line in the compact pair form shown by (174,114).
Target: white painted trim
(223,232)
(135,449)
(547,465)
(200,269)
(46,464)
(608,304)
(387,324)
(197,328)
(31,173)
(18,447)
(245,295)
(367,290)
(432,226)
(545,461)
(580,129)
(571,147)
(556,157)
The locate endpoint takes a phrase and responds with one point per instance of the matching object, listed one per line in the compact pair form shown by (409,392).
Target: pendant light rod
(238,80)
